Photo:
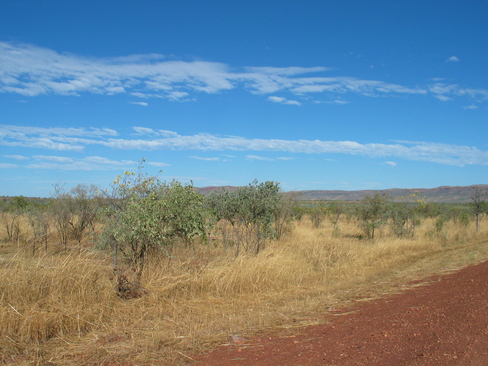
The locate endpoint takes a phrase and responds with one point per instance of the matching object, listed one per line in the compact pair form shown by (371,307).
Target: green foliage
(185,211)
(405,215)
(250,211)
(317,213)
(464,219)
(372,213)
(15,208)
(479,205)
(431,210)
(335,210)
(147,215)
(440,222)
(283,216)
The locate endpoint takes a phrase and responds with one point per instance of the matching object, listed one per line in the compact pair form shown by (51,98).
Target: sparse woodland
(151,272)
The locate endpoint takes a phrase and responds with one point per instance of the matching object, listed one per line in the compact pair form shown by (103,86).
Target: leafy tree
(148,216)
(283,215)
(186,211)
(13,210)
(405,215)
(372,212)
(318,212)
(335,210)
(478,197)
(250,212)
(431,210)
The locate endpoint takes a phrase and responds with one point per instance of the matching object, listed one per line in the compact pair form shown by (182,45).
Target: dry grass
(62,308)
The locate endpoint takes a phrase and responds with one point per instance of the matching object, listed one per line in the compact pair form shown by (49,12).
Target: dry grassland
(62,308)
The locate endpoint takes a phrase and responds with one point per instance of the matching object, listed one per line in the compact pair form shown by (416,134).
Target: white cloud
(157,164)
(286,70)
(176,95)
(391,163)
(472,106)
(16,157)
(452,59)
(169,140)
(144,104)
(284,158)
(255,157)
(292,102)
(8,166)
(446,92)
(276,99)
(58,159)
(336,101)
(62,139)
(88,163)
(443,98)
(30,70)
(144,130)
(281,100)
(206,159)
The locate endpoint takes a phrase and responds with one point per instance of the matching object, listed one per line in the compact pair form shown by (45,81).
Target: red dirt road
(442,323)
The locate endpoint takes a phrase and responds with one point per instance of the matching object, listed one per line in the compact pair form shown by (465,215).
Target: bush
(250,211)
(147,215)
(372,213)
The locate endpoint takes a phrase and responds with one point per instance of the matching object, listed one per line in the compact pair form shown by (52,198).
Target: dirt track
(442,323)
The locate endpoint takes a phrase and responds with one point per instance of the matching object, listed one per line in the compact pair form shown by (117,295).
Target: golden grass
(63,308)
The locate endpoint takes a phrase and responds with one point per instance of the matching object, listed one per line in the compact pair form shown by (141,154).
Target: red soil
(442,323)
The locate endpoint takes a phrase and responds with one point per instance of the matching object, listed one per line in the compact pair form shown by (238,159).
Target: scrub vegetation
(151,272)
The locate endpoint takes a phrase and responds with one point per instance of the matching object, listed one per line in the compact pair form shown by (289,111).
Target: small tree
(250,211)
(39,221)
(82,201)
(147,215)
(318,212)
(186,211)
(61,212)
(372,213)
(14,209)
(405,215)
(283,215)
(478,196)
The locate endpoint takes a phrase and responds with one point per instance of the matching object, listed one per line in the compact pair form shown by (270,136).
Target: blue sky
(343,95)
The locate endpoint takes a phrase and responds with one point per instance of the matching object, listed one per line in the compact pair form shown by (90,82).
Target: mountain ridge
(442,194)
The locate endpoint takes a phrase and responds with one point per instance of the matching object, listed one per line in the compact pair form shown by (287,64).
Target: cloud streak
(30,70)
(149,139)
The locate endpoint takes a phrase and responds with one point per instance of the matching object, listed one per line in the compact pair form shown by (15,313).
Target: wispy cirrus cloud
(150,139)
(56,159)
(87,163)
(205,159)
(283,100)
(157,164)
(8,166)
(255,157)
(63,139)
(16,157)
(446,92)
(30,70)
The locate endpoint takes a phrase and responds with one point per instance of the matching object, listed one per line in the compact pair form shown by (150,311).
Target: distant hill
(439,194)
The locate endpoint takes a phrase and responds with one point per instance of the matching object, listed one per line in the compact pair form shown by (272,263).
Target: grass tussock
(63,307)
